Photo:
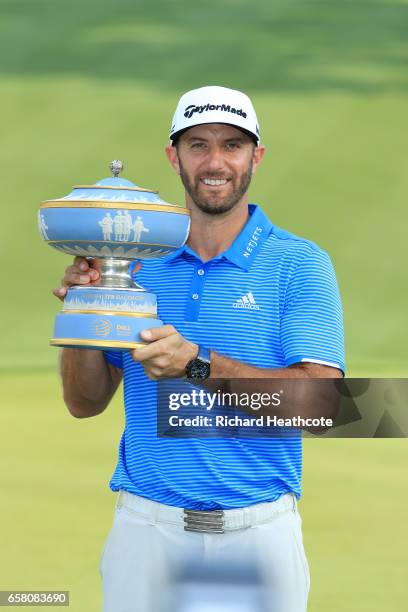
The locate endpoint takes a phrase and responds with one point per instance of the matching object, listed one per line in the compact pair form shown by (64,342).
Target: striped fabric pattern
(270,300)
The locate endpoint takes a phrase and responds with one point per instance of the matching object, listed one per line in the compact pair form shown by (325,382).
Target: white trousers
(148,549)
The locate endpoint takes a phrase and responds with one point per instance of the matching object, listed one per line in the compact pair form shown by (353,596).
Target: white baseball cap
(215,104)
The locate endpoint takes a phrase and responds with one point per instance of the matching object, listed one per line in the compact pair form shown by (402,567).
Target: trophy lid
(114,219)
(113,189)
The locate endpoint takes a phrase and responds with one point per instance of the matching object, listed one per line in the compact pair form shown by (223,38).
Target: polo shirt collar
(246,245)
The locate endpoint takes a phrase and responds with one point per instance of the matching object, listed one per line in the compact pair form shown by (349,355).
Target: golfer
(242,299)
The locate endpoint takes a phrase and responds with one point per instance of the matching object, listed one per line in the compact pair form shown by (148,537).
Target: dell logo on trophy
(117,222)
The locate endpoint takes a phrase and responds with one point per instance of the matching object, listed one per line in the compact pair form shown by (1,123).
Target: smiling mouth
(214,182)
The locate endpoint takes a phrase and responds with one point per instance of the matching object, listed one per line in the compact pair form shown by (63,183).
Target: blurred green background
(85,82)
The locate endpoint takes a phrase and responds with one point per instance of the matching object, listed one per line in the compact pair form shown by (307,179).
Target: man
(243,299)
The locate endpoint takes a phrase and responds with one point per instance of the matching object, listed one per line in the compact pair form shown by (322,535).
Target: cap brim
(177,135)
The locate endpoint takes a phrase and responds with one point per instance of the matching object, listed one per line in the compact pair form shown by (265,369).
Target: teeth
(208,181)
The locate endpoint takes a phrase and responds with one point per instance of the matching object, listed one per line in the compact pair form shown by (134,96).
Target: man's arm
(168,353)
(88,381)
(225,367)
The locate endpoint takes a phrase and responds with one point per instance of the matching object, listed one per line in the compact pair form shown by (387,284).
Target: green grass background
(84,82)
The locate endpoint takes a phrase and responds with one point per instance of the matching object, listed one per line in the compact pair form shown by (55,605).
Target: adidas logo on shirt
(246,301)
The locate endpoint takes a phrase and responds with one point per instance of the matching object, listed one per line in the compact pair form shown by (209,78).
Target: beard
(213,204)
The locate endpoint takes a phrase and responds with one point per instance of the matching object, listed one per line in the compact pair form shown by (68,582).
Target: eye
(232,146)
(198,146)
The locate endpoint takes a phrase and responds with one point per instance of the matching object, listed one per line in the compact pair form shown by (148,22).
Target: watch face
(198,370)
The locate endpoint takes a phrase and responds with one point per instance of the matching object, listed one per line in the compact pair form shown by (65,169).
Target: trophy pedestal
(105,318)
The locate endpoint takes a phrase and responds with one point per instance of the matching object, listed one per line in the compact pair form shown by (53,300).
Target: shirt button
(200,271)
(195,296)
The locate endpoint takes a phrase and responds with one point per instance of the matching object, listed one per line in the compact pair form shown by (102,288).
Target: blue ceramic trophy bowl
(117,222)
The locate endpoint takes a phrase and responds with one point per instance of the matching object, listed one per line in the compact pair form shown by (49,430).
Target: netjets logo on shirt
(226,108)
(246,301)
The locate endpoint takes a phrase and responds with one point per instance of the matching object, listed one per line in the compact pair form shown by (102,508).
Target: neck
(211,235)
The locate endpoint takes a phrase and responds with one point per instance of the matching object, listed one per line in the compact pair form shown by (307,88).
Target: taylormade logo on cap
(190,110)
(215,104)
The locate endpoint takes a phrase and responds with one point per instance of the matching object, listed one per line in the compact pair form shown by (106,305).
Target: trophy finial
(116,167)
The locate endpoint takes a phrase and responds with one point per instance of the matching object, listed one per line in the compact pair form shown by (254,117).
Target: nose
(215,159)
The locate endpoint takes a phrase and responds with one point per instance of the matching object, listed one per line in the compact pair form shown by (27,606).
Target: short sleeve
(312,318)
(115,358)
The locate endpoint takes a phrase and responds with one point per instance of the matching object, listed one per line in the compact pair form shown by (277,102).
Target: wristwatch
(199,368)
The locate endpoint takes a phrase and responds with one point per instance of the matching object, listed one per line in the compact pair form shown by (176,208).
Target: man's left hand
(167,353)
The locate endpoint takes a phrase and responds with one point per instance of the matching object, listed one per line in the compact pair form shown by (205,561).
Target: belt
(207,521)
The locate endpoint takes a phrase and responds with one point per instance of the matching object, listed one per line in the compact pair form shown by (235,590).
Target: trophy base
(105,318)
(102,345)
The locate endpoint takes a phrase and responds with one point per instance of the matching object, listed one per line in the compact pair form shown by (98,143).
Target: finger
(94,274)
(87,266)
(81,263)
(73,270)
(84,267)
(75,278)
(155,349)
(151,376)
(60,292)
(157,333)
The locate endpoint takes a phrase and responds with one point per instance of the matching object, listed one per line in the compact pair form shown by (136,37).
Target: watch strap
(204,354)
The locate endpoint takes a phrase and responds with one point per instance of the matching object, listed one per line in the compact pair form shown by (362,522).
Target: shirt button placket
(196,291)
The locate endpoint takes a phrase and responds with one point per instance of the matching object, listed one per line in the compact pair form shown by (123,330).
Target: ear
(259,152)
(172,156)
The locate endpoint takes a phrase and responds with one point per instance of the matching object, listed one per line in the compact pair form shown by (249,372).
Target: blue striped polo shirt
(270,300)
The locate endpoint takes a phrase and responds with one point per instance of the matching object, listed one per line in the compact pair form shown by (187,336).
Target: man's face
(215,163)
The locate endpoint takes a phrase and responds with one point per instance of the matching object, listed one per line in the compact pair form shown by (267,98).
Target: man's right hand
(82,272)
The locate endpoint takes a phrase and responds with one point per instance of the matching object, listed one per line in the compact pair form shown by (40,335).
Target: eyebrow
(233,139)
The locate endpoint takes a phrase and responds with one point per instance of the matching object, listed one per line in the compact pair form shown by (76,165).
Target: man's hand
(82,272)
(167,354)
